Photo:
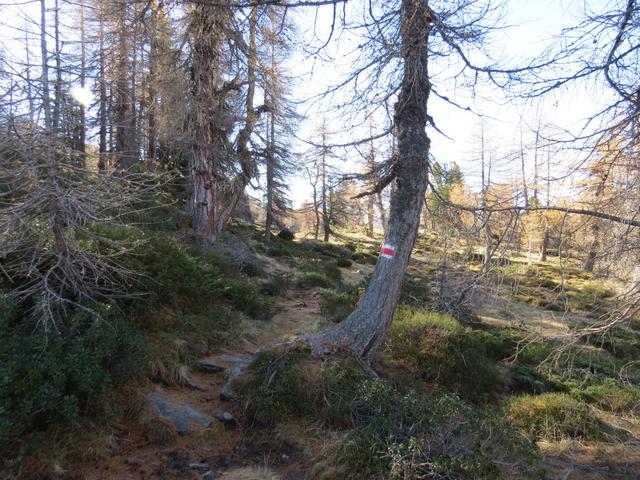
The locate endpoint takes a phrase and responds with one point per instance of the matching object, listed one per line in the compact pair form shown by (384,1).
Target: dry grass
(250,473)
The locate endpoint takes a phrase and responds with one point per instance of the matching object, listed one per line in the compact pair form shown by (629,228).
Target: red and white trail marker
(387,250)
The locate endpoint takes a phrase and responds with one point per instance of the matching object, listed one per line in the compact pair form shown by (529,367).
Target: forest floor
(231,452)
(233,448)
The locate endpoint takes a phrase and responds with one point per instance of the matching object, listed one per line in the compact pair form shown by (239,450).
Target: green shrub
(612,396)
(280,249)
(173,274)
(314,279)
(344,263)
(337,306)
(365,257)
(327,268)
(552,416)
(57,380)
(243,296)
(276,286)
(328,249)
(286,235)
(401,435)
(391,433)
(438,348)
(279,386)
(549,284)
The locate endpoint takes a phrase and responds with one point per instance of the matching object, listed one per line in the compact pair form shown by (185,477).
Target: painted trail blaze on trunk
(364,331)
(387,251)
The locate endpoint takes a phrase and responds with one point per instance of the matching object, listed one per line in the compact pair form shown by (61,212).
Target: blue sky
(533,24)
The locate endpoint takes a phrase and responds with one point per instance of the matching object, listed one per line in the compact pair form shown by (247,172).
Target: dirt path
(221,450)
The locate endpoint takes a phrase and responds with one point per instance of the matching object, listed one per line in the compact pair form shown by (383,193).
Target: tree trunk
(592,255)
(55,209)
(82,123)
(57,104)
(244,154)
(486,183)
(270,174)
(102,148)
(124,115)
(370,216)
(383,214)
(525,189)
(364,331)
(325,212)
(545,241)
(213,198)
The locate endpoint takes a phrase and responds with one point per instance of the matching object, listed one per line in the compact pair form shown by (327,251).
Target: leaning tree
(400,43)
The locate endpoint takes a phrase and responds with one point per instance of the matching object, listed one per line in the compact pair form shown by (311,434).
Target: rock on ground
(183,416)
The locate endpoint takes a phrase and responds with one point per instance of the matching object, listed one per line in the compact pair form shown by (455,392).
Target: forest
(319,239)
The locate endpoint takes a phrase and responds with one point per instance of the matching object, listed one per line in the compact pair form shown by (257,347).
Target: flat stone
(234,359)
(228,419)
(203,467)
(209,475)
(183,416)
(209,365)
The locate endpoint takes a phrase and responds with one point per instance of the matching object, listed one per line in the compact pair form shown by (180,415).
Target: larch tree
(364,331)
(224,81)
(57,252)
(321,173)
(418,30)
(280,119)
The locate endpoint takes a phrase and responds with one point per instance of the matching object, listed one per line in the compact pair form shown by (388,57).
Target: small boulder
(236,360)
(209,475)
(183,416)
(210,366)
(203,467)
(227,419)
(227,393)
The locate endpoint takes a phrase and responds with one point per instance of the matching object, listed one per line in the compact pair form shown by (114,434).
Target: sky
(532,26)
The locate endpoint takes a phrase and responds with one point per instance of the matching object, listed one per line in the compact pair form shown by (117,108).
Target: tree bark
(383,214)
(545,241)
(124,114)
(213,197)
(102,148)
(370,216)
(364,331)
(326,229)
(592,255)
(270,173)
(244,154)
(53,193)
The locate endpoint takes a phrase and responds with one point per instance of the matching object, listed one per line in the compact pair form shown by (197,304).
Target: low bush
(610,395)
(314,279)
(552,416)
(337,306)
(365,257)
(344,263)
(286,235)
(404,434)
(55,380)
(440,350)
(280,384)
(275,286)
(173,274)
(391,433)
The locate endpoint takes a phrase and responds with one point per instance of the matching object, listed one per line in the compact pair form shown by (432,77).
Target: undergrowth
(390,432)
(67,379)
